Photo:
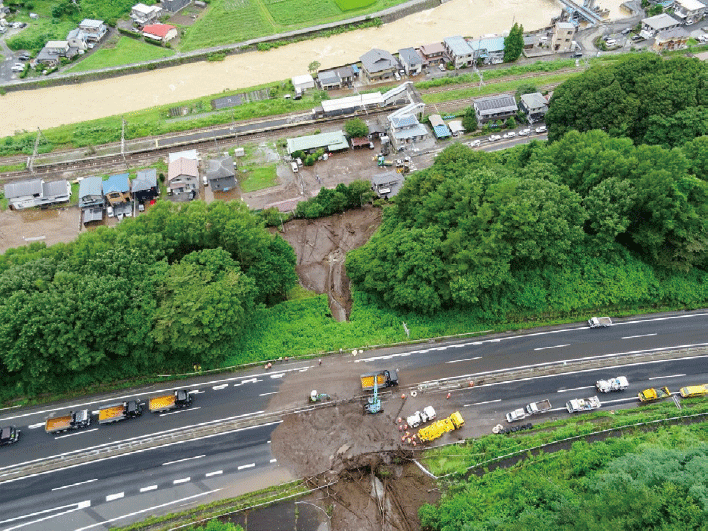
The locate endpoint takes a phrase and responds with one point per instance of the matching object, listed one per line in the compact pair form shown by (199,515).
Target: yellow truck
(440,427)
(118,412)
(382,378)
(650,395)
(74,420)
(694,390)
(174,400)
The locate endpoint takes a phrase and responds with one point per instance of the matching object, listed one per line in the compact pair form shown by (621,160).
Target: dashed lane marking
(215,473)
(465,359)
(180,411)
(250,465)
(183,460)
(574,389)
(73,434)
(116,496)
(480,403)
(183,480)
(148,488)
(75,484)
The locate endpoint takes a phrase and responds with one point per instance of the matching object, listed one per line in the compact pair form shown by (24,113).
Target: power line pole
(30,162)
(122,140)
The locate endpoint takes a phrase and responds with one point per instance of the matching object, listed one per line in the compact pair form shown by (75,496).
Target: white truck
(517,414)
(583,404)
(418,418)
(536,408)
(599,322)
(618,383)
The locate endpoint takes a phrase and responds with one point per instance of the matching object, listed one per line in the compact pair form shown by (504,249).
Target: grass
(126,51)
(258,177)
(352,5)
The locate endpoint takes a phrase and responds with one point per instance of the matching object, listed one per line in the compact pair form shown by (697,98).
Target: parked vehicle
(541,129)
(650,395)
(599,322)
(576,55)
(121,411)
(525,132)
(610,42)
(293,166)
(441,66)
(475,143)
(510,134)
(18,67)
(418,418)
(536,408)
(9,435)
(583,404)
(74,420)
(176,400)
(440,427)
(517,414)
(383,378)
(619,383)
(694,390)
(24,57)
(494,138)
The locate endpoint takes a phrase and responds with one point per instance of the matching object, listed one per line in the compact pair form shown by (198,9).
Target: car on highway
(510,134)
(541,129)
(525,132)
(475,143)
(18,67)
(494,138)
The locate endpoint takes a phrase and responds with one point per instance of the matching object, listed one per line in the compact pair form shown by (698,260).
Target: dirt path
(62,105)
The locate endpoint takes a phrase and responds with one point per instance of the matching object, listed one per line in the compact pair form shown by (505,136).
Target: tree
(313,67)
(510,122)
(514,43)
(356,128)
(469,120)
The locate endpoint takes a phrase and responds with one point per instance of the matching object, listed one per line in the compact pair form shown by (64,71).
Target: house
(376,129)
(91,200)
(334,141)
(673,39)
(160,32)
(488,50)
(183,176)
(659,23)
(94,29)
(221,175)
(411,61)
(329,79)
(347,74)
(302,83)
(116,190)
(405,130)
(534,105)
(143,15)
(432,54)
(456,128)
(144,187)
(53,52)
(689,11)
(378,64)
(460,53)
(36,192)
(562,40)
(361,142)
(77,39)
(439,126)
(494,108)
(387,184)
(174,5)
(186,154)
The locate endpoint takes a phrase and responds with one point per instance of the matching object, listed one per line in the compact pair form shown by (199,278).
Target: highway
(159,480)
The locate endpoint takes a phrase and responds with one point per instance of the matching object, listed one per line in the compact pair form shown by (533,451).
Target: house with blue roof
(439,126)
(406,130)
(489,50)
(116,190)
(460,53)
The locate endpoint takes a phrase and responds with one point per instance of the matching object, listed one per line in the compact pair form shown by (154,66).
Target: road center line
(273,460)
(180,411)
(574,389)
(643,335)
(72,434)
(671,376)
(465,359)
(116,496)
(215,473)
(220,387)
(554,346)
(178,481)
(619,400)
(271,393)
(480,403)
(35,426)
(75,484)
(251,465)
(183,460)
(149,488)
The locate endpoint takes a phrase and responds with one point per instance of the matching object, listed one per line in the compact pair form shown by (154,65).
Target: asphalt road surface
(157,481)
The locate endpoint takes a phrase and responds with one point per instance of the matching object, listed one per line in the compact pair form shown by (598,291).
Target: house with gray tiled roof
(494,108)
(329,79)
(220,174)
(534,105)
(410,60)
(36,192)
(378,64)
(459,52)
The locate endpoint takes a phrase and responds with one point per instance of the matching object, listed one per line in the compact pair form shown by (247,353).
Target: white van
(293,166)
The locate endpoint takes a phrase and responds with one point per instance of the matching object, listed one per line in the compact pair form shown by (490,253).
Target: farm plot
(353,5)
(290,12)
(126,51)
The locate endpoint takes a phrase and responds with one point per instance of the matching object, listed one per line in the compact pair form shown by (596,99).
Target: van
(610,42)
(293,166)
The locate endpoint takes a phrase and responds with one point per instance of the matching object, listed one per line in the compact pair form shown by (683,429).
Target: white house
(689,11)
(303,82)
(143,15)
(459,52)
(411,61)
(183,176)
(94,29)
(77,39)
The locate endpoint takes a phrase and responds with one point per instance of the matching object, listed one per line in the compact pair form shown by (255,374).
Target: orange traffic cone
(448,395)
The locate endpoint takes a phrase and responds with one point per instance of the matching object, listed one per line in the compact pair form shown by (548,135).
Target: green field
(230,21)
(126,51)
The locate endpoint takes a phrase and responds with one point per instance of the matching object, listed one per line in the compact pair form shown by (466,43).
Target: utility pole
(122,140)
(30,162)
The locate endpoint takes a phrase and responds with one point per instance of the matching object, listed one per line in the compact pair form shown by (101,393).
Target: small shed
(387,184)
(329,79)
(456,128)
(439,127)
(303,82)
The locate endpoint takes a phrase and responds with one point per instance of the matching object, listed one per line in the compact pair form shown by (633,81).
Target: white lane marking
(77,433)
(273,460)
(643,335)
(480,403)
(79,506)
(266,394)
(250,380)
(35,426)
(149,488)
(75,484)
(554,346)
(558,409)
(279,375)
(662,377)
(180,411)
(220,387)
(183,460)
(95,411)
(465,359)
(250,465)
(195,391)
(215,473)
(116,496)
(149,509)
(267,442)
(620,400)
(178,481)
(146,450)
(575,389)
(303,370)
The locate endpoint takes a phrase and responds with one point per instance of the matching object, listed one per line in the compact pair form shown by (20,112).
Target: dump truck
(517,414)
(74,420)
(383,378)
(440,427)
(176,400)
(421,417)
(618,383)
(536,408)
(9,435)
(118,412)
(694,390)
(599,322)
(582,404)
(650,395)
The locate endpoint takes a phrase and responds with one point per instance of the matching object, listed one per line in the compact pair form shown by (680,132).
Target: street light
(329,520)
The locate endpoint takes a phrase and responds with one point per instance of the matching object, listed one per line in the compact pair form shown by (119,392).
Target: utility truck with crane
(421,417)
(441,427)
(653,394)
(538,408)
(618,383)
(579,405)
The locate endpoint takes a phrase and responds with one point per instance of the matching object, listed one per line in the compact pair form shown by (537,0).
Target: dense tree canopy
(514,43)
